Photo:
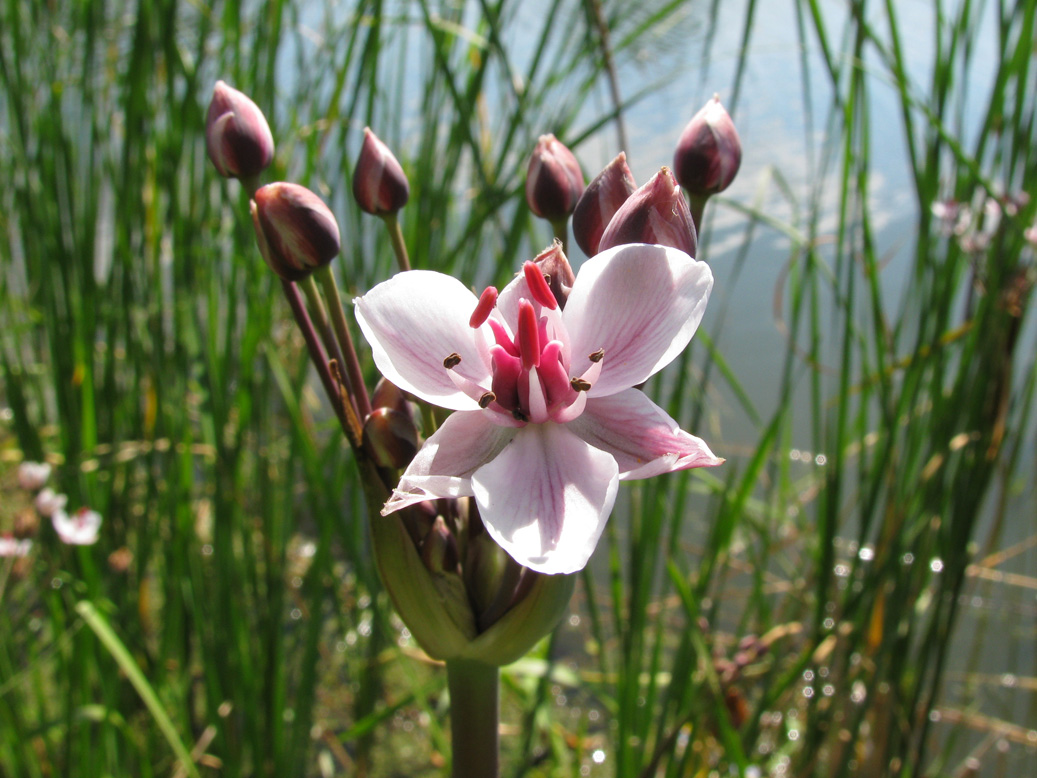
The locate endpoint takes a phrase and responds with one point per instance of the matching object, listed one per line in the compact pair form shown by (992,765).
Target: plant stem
(319,313)
(345,412)
(697,206)
(474,718)
(561,231)
(392,224)
(345,339)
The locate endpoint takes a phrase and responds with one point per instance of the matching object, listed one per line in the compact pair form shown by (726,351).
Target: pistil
(528,335)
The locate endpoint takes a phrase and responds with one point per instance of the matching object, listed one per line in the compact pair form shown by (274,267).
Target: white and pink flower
(49,502)
(548,418)
(33,475)
(14,547)
(79,529)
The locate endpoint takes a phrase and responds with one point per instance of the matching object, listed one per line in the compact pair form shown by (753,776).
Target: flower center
(529,377)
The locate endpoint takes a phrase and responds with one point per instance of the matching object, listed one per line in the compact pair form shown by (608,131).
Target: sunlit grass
(777,612)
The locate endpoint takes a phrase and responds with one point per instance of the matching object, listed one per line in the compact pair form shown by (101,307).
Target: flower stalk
(474,718)
(392,225)
(354,374)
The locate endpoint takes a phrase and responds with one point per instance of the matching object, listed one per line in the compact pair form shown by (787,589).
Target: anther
(487,300)
(518,415)
(597,356)
(486,399)
(538,286)
(579,385)
(452,361)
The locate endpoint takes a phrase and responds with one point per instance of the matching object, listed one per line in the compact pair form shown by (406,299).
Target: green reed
(143,345)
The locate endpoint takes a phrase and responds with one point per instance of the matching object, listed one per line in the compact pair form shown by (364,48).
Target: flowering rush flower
(547,421)
(14,547)
(79,529)
(33,475)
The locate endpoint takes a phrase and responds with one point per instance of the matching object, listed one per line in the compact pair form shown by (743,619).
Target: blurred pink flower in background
(79,529)
(13,547)
(33,475)
(49,502)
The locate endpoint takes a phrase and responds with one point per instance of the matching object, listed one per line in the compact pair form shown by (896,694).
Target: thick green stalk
(474,718)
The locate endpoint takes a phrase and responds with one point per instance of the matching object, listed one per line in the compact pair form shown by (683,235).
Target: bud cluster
(613,211)
(459,593)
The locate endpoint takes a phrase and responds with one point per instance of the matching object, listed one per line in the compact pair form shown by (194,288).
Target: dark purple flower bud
(554,181)
(655,213)
(297,232)
(600,201)
(388,395)
(237,135)
(379,184)
(708,152)
(439,548)
(390,437)
(555,267)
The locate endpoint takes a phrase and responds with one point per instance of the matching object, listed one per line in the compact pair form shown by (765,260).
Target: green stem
(474,718)
(354,374)
(392,224)
(561,230)
(697,205)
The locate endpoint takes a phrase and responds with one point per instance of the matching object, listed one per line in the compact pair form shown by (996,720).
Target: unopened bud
(439,549)
(119,561)
(488,568)
(655,213)
(237,135)
(297,232)
(379,184)
(554,181)
(600,201)
(708,152)
(556,269)
(390,437)
(386,394)
(26,524)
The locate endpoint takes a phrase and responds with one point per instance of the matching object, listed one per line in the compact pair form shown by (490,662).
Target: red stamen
(538,286)
(487,300)
(528,335)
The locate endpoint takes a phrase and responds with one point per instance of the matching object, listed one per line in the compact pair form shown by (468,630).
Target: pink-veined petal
(546,497)
(413,322)
(641,304)
(443,467)
(641,436)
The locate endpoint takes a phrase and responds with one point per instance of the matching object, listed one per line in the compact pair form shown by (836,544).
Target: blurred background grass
(852,594)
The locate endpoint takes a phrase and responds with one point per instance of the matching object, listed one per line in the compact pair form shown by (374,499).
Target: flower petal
(443,467)
(641,304)
(413,322)
(79,529)
(641,436)
(545,499)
